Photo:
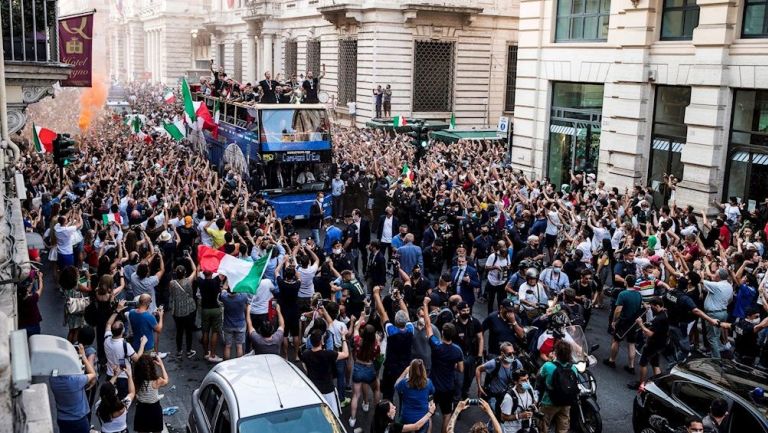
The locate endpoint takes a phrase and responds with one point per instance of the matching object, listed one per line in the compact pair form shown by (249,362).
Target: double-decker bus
(287,147)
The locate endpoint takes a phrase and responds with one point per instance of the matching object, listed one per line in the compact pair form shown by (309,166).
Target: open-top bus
(287,148)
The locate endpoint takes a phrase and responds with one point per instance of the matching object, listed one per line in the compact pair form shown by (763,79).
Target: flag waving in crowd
(243,276)
(43,139)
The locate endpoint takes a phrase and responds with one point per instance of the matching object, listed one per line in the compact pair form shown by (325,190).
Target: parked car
(259,394)
(689,388)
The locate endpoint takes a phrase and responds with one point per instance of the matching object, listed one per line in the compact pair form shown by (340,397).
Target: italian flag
(169,97)
(111,218)
(399,121)
(177,130)
(407,171)
(189,108)
(216,112)
(202,119)
(453,121)
(43,139)
(243,276)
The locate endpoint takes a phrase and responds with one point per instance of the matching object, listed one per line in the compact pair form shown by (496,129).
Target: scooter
(585,416)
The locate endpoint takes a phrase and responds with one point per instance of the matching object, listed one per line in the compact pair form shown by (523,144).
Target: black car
(689,388)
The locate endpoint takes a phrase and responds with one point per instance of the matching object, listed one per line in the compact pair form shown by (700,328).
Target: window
(742,420)
(297,419)
(433,77)
(678,19)
(509,98)
(668,139)
(223,422)
(291,52)
(347,71)
(582,20)
(755,19)
(209,398)
(696,397)
(748,147)
(313,56)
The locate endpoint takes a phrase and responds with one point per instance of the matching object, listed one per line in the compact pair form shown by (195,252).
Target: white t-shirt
(115,351)
(618,235)
(260,301)
(494,276)
(386,231)
(118,424)
(553,223)
(732,213)
(205,238)
(598,234)
(586,247)
(307,277)
(337,329)
(538,296)
(524,400)
(64,236)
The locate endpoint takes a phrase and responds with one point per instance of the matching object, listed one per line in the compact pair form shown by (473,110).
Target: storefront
(574,130)
(747,170)
(668,139)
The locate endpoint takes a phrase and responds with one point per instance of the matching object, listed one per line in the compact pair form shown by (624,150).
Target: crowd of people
(434,281)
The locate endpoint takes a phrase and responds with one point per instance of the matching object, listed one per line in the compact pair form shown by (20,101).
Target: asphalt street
(614,397)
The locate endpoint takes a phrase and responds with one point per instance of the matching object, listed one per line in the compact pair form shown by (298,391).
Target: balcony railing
(256,8)
(29,30)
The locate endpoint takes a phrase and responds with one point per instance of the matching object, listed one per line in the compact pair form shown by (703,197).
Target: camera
(131,304)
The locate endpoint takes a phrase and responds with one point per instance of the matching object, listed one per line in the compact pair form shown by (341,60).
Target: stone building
(454,56)
(635,89)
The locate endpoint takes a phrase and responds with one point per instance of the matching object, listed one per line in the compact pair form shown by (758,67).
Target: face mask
(754,321)
(521,225)
(421,322)
(416,274)
(337,251)
(465,315)
(526,386)
(509,359)
(557,269)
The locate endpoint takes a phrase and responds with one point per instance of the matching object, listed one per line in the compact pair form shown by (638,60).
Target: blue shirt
(69,393)
(414,403)
(745,297)
(538,227)
(142,324)
(332,234)
(444,359)
(234,309)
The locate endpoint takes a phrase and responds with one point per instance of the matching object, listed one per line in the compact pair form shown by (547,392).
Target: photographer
(519,405)
(478,427)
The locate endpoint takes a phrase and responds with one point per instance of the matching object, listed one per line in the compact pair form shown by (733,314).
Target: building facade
(637,89)
(439,59)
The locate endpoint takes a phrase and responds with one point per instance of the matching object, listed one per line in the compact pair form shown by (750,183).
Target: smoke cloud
(92,102)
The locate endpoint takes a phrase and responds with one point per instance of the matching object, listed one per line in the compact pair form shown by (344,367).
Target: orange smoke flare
(92,101)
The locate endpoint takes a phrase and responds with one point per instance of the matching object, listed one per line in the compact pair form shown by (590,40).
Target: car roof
(737,378)
(267,383)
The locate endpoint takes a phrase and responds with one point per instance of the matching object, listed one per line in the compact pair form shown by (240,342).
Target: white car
(259,394)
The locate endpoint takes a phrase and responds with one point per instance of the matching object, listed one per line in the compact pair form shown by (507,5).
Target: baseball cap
(507,304)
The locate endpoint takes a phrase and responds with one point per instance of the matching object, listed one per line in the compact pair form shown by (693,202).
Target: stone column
(705,152)
(249,59)
(267,53)
(215,49)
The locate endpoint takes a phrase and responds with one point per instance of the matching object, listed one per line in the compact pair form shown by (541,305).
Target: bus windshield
(294,129)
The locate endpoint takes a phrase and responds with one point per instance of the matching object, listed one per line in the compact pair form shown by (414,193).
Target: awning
(659,144)
(757,158)
(560,129)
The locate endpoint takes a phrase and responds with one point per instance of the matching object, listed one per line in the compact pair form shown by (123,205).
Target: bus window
(294,129)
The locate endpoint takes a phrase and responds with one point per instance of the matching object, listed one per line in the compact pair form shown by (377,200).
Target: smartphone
(474,402)
(121,363)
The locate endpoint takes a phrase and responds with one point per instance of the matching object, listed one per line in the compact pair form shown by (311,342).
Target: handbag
(77,305)
(53,254)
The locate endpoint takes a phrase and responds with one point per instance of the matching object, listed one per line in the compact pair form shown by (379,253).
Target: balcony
(258,10)
(30,53)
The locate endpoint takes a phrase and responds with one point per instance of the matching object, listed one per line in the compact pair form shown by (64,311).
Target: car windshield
(307,419)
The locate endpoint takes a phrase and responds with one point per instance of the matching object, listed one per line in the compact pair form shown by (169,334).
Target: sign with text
(75,48)
(503,127)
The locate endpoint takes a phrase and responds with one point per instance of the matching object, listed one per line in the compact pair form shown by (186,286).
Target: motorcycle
(585,416)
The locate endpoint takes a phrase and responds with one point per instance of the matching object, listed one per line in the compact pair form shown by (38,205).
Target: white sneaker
(352,422)
(366,406)
(162,355)
(215,359)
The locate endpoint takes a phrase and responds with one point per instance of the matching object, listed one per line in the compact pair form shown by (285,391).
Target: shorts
(387,105)
(233,336)
(210,319)
(550,241)
(623,331)
(651,355)
(444,400)
(65,260)
(363,373)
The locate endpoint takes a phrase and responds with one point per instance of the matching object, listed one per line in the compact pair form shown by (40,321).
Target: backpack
(516,401)
(565,386)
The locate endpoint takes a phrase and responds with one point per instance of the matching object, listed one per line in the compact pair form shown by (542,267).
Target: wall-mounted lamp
(635,2)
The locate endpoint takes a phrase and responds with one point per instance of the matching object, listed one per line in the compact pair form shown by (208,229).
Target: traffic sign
(502,130)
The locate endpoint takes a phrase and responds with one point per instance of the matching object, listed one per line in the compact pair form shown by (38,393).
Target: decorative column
(267,53)
(249,59)
(215,48)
